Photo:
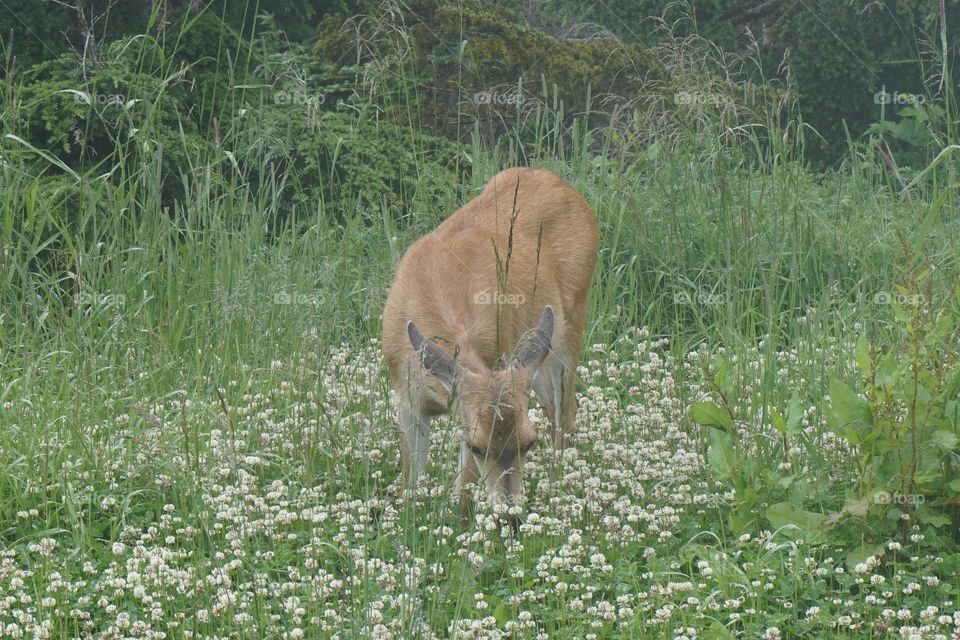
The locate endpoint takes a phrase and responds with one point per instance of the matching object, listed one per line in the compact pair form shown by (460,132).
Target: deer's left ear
(534,346)
(435,360)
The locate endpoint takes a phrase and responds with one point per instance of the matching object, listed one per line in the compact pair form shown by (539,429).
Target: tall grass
(713,229)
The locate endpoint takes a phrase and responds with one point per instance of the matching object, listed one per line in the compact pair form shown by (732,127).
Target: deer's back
(485,274)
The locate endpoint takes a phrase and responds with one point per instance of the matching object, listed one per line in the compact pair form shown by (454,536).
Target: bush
(500,64)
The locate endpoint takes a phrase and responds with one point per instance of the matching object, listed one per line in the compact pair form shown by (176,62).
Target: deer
(510,270)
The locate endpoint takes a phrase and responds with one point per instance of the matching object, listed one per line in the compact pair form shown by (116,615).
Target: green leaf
(720,378)
(794,415)
(847,413)
(860,555)
(778,422)
(711,415)
(720,632)
(785,482)
(720,455)
(862,355)
(946,439)
(800,490)
(795,522)
(946,326)
(929,517)
(888,371)
(501,614)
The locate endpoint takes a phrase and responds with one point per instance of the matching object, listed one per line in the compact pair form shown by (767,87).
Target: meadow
(197,435)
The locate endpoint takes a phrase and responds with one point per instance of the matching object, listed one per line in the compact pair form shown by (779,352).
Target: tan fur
(440,286)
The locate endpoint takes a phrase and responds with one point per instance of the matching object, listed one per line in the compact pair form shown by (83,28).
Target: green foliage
(87,113)
(365,163)
(37,31)
(905,422)
(902,425)
(461,52)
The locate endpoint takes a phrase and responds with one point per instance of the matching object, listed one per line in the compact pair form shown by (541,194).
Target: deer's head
(492,406)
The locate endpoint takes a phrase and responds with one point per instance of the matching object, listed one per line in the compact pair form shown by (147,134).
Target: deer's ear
(435,360)
(534,345)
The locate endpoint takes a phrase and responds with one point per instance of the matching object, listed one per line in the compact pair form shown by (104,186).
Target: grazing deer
(524,249)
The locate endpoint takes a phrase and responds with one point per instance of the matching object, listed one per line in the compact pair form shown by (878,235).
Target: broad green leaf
(887,441)
(794,415)
(742,522)
(791,424)
(786,514)
(847,413)
(903,314)
(888,371)
(778,422)
(930,517)
(946,326)
(720,378)
(800,490)
(860,555)
(720,455)
(946,439)
(720,632)
(887,470)
(711,415)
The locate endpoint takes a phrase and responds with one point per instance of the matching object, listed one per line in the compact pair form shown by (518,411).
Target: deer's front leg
(414,442)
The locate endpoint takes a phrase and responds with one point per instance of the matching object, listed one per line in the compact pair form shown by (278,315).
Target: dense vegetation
(201,207)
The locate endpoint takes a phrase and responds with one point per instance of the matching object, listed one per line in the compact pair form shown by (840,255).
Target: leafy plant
(904,419)
(901,420)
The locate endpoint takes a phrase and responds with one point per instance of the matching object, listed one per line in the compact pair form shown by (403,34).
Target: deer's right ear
(534,345)
(435,360)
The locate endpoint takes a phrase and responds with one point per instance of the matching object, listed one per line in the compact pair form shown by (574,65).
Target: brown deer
(524,249)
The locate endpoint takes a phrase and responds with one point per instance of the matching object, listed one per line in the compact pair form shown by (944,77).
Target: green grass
(193,411)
